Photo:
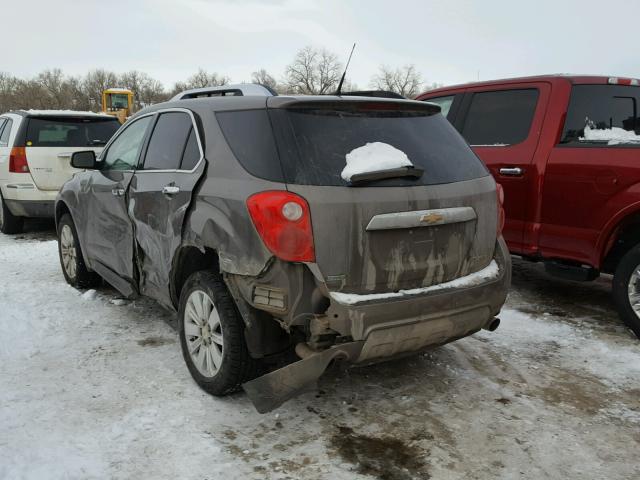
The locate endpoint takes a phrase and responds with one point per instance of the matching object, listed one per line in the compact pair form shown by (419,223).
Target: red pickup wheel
(626,289)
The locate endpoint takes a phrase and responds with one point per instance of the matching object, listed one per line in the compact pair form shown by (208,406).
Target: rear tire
(9,223)
(626,289)
(212,335)
(74,269)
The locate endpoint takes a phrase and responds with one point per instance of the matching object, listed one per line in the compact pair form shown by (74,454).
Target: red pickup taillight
(501,215)
(18,160)
(283,221)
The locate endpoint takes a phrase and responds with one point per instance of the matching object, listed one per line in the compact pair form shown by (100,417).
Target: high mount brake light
(283,221)
(18,160)
(501,214)
(623,81)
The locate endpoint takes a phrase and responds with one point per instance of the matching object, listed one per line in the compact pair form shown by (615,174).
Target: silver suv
(338,228)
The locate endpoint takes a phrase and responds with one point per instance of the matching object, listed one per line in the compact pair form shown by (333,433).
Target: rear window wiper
(402,172)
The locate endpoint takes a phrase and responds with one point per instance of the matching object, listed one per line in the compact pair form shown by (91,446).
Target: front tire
(9,223)
(626,289)
(212,335)
(74,269)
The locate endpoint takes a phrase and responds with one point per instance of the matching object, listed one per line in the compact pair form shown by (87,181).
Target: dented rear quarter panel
(218,217)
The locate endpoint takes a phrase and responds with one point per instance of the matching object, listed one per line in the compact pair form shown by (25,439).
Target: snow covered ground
(95,387)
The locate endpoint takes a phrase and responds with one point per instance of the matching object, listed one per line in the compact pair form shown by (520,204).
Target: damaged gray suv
(291,232)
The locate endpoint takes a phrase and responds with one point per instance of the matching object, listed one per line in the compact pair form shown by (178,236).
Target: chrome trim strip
(21,186)
(421,218)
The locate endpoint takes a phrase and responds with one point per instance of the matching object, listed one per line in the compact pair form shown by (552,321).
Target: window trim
(117,135)
(469,94)
(140,165)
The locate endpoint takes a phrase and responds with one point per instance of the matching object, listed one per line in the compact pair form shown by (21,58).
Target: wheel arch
(621,235)
(60,209)
(188,260)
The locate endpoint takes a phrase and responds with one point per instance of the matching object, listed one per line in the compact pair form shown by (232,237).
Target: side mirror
(85,160)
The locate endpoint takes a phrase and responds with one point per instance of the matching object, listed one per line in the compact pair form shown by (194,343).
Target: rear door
(502,125)
(159,197)
(50,141)
(588,171)
(108,229)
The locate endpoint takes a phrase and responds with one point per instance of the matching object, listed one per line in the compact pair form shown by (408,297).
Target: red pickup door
(566,150)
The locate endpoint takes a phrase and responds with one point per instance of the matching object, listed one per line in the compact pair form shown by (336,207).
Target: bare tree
(9,85)
(95,82)
(313,71)
(406,81)
(203,79)
(145,89)
(264,78)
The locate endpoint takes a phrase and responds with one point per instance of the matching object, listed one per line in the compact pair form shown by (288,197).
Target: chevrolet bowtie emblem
(432,218)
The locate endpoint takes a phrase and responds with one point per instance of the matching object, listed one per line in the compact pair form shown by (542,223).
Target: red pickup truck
(566,150)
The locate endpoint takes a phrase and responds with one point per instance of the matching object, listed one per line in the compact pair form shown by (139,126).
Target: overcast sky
(450,42)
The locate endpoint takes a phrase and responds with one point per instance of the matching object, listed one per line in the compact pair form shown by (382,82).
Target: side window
(168,140)
(443,102)
(500,118)
(2,122)
(602,115)
(124,151)
(4,137)
(191,153)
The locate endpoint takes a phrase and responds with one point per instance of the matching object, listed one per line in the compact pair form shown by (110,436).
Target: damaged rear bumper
(384,328)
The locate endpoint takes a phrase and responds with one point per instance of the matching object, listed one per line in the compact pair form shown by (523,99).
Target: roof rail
(239,90)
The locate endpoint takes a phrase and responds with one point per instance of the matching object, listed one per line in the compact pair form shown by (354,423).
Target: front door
(159,196)
(109,237)
(503,127)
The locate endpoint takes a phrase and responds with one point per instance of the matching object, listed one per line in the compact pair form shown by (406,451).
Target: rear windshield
(312,144)
(69,132)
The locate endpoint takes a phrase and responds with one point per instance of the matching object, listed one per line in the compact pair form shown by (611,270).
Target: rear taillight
(501,216)
(283,221)
(18,160)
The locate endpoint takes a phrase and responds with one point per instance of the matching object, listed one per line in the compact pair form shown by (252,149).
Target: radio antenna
(339,91)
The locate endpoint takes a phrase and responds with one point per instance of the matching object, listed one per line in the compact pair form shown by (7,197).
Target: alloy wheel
(68,251)
(203,333)
(634,291)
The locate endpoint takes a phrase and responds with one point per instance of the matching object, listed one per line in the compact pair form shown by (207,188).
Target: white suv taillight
(18,160)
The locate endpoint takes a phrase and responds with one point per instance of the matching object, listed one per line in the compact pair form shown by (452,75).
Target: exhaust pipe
(493,325)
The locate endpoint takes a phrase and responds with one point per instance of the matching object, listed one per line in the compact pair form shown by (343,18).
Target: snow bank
(613,136)
(374,157)
(488,273)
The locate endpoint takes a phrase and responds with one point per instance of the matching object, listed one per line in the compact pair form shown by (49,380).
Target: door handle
(117,191)
(170,189)
(511,171)
(64,156)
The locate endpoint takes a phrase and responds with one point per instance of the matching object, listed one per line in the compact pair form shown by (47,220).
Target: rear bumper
(24,199)
(391,327)
(31,208)
(409,323)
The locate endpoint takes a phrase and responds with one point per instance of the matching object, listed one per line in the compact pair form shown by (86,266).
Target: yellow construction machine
(118,102)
